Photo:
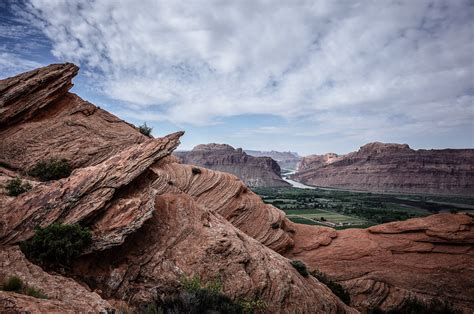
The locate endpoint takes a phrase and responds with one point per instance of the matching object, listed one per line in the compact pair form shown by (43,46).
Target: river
(294,183)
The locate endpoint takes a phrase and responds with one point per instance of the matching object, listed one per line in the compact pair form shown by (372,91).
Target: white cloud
(323,60)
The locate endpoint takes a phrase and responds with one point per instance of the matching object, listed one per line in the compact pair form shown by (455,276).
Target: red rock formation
(316,161)
(147,231)
(393,168)
(155,220)
(286,160)
(254,171)
(384,265)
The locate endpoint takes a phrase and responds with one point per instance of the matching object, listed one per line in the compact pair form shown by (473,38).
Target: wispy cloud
(376,65)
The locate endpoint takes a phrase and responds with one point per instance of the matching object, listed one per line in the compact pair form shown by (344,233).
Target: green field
(346,209)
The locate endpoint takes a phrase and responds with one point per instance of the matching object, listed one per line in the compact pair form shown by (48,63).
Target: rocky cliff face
(155,221)
(393,168)
(286,160)
(254,171)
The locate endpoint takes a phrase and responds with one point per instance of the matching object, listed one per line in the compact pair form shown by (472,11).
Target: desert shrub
(5,165)
(414,305)
(195,170)
(57,244)
(249,306)
(52,169)
(16,187)
(145,129)
(13,283)
(336,288)
(36,293)
(275,225)
(300,267)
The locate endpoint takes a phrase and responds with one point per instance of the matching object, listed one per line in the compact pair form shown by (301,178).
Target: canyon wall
(254,171)
(396,168)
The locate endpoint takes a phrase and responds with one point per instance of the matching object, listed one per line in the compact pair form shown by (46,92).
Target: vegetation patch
(300,267)
(145,129)
(336,288)
(195,170)
(57,244)
(16,187)
(415,305)
(52,169)
(15,284)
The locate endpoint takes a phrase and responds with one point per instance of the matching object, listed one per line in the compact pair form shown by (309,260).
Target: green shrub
(13,283)
(36,293)
(195,170)
(300,267)
(52,169)
(414,305)
(57,244)
(5,165)
(336,288)
(145,129)
(275,225)
(15,187)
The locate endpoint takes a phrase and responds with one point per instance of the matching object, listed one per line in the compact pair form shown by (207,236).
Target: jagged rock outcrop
(382,167)
(382,266)
(148,232)
(286,160)
(155,221)
(254,171)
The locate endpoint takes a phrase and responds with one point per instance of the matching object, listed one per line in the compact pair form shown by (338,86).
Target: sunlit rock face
(383,167)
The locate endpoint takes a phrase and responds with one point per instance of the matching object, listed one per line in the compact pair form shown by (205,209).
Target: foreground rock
(64,295)
(384,265)
(148,233)
(156,221)
(254,171)
(392,168)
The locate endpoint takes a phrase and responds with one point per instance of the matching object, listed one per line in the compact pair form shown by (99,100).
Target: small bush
(5,165)
(52,169)
(336,288)
(145,129)
(275,225)
(15,187)
(36,293)
(57,244)
(13,283)
(195,170)
(300,267)
(414,305)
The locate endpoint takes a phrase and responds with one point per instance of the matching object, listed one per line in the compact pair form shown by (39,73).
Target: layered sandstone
(155,221)
(254,171)
(148,231)
(382,167)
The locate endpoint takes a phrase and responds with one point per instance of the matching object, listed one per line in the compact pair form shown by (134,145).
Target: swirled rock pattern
(393,168)
(155,220)
(384,265)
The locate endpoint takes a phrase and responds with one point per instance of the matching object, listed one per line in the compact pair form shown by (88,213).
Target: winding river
(294,183)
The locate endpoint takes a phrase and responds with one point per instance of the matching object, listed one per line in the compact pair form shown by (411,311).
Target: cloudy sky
(306,76)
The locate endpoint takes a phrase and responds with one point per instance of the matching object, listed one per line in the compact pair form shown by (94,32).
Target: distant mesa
(254,171)
(381,167)
(286,160)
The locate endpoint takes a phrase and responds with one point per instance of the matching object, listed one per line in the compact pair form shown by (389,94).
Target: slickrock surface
(286,160)
(382,265)
(184,239)
(64,294)
(254,171)
(155,220)
(393,168)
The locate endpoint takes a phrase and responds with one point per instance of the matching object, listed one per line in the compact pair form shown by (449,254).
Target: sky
(303,76)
